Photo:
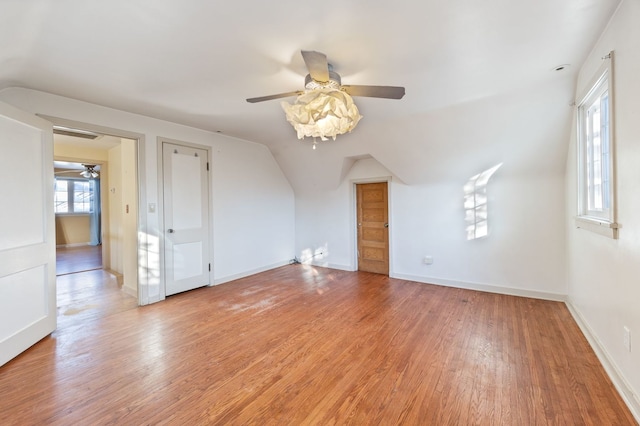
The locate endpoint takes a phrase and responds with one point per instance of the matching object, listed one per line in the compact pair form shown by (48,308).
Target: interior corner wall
(253,209)
(253,203)
(523,254)
(603,274)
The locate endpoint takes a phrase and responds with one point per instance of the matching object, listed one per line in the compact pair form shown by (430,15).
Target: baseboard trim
(484,287)
(218,281)
(330,266)
(72,245)
(133,292)
(621,385)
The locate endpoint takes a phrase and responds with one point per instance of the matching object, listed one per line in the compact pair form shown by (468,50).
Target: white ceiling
(479,78)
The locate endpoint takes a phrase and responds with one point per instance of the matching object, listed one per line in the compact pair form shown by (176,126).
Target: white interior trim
(622,386)
(142,255)
(160,208)
(484,287)
(248,273)
(598,226)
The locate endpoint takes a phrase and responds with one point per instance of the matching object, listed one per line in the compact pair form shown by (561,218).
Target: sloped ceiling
(479,76)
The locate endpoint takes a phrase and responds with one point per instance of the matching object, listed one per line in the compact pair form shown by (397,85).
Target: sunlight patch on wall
(475,204)
(309,255)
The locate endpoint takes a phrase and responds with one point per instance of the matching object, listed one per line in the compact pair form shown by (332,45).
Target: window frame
(70,197)
(602,221)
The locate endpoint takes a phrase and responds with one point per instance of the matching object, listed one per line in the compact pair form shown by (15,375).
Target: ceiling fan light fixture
(334,82)
(322,113)
(89,172)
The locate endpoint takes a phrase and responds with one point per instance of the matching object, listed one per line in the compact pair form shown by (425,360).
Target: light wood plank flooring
(78,259)
(84,290)
(300,345)
(90,295)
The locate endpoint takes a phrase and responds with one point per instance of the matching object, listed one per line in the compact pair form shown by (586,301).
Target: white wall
(604,274)
(245,180)
(129,215)
(524,253)
(114,231)
(122,213)
(253,209)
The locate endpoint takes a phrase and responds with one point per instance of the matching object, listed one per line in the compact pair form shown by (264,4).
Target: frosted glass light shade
(322,113)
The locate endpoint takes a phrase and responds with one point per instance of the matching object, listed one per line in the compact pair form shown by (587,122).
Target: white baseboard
(484,287)
(72,245)
(233,277)
(331,266)
(130,291)
(133,292)
(622,386)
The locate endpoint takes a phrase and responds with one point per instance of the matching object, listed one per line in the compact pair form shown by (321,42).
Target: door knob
(386,225)
(170,231)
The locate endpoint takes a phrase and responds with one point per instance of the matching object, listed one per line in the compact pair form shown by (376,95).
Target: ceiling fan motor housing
(334,82)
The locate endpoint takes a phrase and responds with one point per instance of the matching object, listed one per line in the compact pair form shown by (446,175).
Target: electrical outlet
(626,338)
(427,260)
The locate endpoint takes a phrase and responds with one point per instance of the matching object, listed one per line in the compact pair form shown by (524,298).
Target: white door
(27,233)
(186,218)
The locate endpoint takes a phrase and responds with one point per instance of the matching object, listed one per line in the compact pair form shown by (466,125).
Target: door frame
(160,208)
(142,260)
(354,218)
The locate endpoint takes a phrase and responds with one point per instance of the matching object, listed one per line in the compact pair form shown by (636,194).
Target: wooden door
(373,227)
(27,232)
(186,218)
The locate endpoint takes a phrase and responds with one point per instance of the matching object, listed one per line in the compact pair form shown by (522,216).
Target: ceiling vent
(67,131)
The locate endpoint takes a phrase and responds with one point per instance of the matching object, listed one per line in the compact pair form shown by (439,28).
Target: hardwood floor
(299,345)
(90,295)
(78,259)
(84,290)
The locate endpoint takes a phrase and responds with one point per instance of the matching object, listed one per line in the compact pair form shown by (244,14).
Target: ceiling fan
(325,109)
(89,171)
(322,76)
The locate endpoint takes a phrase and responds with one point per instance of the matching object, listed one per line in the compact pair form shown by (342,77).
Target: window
(596,209)
(73,195)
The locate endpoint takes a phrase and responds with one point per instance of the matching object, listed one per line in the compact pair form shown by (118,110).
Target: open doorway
(78,216)
(96,206)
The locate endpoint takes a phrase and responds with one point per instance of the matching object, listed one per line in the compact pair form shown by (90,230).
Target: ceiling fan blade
(388,92)
(317,65)
(270,97)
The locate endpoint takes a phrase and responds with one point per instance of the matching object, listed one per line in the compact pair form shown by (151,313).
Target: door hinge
(207,166)
(209,267)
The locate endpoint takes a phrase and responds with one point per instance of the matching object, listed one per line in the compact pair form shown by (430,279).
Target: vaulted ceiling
(481,85)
